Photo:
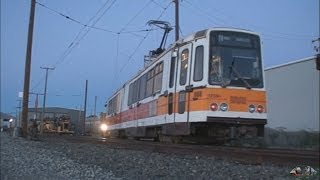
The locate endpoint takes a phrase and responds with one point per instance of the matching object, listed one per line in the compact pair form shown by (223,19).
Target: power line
(78,38)
(158,4)
(86,28)
(75,42)
(215,20)
(135,16)
(140,43)
(74,20)
(59,13)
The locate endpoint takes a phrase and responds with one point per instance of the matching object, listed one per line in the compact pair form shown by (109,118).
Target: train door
(179,72)
(171,88)
(182,85)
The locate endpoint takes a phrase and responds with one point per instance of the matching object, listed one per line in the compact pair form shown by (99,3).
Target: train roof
(204,33)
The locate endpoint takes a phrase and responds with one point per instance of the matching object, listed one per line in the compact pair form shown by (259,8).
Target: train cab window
(198,64)
(172,71)
(184,66)
(215,69)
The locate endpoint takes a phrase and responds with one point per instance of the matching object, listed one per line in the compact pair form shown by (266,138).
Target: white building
(293,95)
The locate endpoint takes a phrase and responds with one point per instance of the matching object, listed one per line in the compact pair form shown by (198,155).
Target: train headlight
(252,108)
(103,127)
(214,106)
(224,107)
(260,108)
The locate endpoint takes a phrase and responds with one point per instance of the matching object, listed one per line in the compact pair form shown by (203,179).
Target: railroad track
(244,155)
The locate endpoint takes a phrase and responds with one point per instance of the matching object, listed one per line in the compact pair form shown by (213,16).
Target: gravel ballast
(60,159)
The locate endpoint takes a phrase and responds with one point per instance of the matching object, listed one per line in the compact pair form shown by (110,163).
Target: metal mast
(177,19)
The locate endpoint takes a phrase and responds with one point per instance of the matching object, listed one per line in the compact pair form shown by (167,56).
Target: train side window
(149,89)
(184,66)
(113,105)
(172,71)
(158,78)
(198,64)
(182,102)
(130,94)
(143,83)
(136,90)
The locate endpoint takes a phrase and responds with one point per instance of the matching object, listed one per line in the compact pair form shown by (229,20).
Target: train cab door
(180,67)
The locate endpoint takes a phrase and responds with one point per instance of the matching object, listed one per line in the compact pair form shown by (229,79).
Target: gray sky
(108,55)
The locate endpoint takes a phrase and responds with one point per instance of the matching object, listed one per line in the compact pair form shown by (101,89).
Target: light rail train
(207,85)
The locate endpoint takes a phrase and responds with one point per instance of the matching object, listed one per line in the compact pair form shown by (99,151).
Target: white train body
(209,84)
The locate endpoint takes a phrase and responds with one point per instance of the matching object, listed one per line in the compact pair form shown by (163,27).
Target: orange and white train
(209,84)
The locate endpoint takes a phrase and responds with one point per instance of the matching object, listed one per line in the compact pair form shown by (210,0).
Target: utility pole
(85,108)
(177,19)
(36,103)
(19,113)
(44,98)
(95,112)
(95,105)
(27,71)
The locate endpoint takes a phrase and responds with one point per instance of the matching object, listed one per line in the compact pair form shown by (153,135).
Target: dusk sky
(112,52)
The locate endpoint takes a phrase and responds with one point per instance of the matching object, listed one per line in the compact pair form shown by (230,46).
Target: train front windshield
(235,60)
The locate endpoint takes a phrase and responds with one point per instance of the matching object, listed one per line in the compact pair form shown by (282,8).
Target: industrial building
(54,113)
(293,95)
(293,104)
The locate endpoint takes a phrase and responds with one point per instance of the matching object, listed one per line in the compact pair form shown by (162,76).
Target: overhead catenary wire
(135,16)
(86,28)
(87,24)
(157,4)
(214,19)
(140,43)
(74,20)
(91,25)
(116,60)
(77,39)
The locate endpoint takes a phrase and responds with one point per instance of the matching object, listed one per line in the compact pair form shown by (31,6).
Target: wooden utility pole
(177,19)
(27,72)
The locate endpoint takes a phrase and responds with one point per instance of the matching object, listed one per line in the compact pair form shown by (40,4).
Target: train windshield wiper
(234,70)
